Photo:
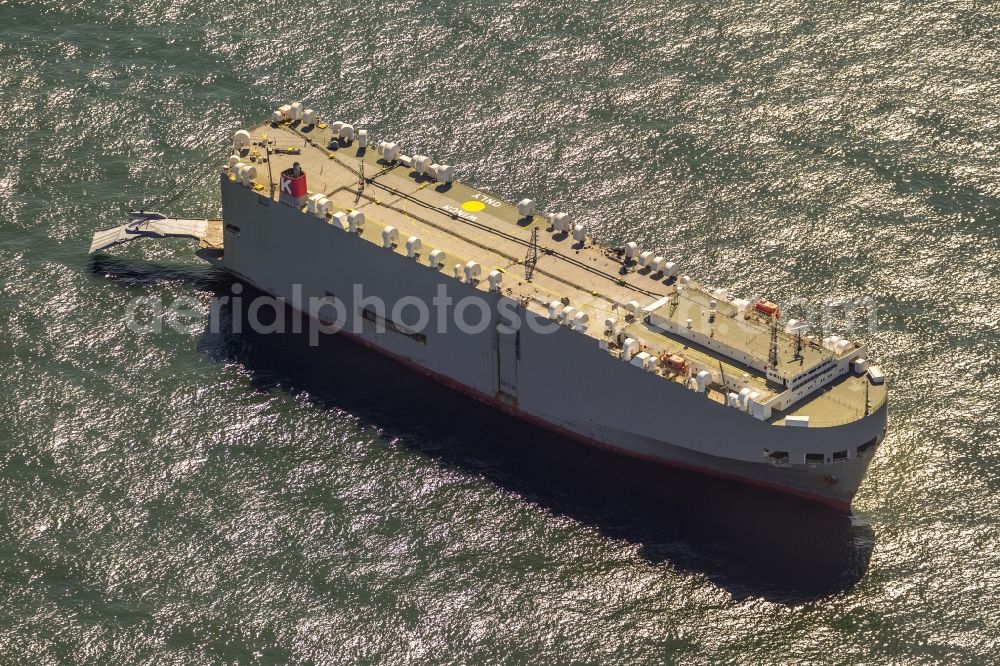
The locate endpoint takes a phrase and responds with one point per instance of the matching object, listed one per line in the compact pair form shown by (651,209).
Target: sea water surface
(211,497)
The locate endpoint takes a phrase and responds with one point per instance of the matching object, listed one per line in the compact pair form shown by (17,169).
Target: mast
(270,176)
(772,357)
(531,258)
(361,182)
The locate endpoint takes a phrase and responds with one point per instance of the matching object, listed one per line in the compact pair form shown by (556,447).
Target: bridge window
(839,456)
(814,458)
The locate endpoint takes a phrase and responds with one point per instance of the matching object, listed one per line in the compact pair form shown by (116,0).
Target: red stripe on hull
(838,505)
(841,506)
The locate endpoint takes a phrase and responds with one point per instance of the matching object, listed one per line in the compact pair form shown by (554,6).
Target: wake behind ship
(614,347)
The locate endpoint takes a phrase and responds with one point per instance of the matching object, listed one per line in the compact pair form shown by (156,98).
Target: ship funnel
(292,189)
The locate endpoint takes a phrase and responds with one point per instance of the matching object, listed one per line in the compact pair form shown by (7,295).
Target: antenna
(797,330)
(772,357)
(531,259)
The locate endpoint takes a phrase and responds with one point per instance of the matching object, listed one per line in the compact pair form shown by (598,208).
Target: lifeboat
(767,308)
(674,363)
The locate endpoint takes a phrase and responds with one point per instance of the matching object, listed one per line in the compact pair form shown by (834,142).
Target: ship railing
(875,405)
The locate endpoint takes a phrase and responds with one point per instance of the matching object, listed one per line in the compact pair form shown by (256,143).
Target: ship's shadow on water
(751,542)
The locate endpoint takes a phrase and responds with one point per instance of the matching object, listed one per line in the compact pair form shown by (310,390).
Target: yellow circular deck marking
(473,206)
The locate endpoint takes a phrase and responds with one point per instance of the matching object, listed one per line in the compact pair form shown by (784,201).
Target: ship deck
(468,224)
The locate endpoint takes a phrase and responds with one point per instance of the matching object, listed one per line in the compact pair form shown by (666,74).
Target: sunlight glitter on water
(210,498)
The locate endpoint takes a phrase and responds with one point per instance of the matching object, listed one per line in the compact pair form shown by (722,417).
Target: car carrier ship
(616,347)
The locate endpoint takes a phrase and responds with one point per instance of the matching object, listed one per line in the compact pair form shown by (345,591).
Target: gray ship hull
(561,381)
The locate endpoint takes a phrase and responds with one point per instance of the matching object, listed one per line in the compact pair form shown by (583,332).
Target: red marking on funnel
(292,185)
